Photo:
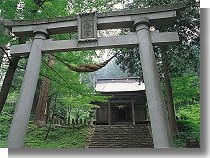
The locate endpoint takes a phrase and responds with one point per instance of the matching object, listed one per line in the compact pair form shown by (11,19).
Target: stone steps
(121,136)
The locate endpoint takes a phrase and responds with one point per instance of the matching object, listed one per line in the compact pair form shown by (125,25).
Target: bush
(188,124)
(185,125)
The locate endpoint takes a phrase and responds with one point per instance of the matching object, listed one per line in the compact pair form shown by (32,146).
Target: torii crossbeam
(87,25)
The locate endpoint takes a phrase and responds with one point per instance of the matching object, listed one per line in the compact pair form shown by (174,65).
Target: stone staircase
(121,136)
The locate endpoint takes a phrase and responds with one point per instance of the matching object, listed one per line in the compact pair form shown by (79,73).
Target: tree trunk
(36,96)
(77,117)
(48,108)
(1,57)
(43,98)
(170,104)
(69,116)
(169,94)
(8,81)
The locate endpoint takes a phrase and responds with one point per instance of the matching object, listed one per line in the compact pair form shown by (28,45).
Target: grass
(4,129)
(180,138)
(57,138)
(188,125)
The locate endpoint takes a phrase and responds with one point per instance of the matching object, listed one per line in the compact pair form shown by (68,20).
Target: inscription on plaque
(87,27)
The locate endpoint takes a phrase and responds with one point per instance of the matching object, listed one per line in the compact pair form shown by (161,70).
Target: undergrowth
(58,137)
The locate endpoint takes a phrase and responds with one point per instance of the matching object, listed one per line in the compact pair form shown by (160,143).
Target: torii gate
(87,25)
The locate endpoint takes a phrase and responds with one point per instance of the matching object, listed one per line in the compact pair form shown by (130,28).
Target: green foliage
(4,37)
(71,88)
(12,97)
(9,9)
(58,137)
(64,83)
(188,124)
(80,6)
(189,117)
(180,139)
(186,98)
(150,3)
(185,89)
(5,120)
(181,58)
(4,128)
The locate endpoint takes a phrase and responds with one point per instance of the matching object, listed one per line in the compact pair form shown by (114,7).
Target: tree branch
(6,54)
(65,85)
(55,72)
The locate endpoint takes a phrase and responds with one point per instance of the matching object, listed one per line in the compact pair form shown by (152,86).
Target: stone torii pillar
(157,111)
(23,108)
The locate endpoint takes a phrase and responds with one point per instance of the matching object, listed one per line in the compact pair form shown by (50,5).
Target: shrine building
(127,102)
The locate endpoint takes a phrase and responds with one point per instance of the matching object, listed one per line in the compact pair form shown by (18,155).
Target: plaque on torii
(87,28)
(87,25)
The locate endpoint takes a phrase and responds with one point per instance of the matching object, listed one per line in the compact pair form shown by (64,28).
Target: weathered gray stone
(121,136)
(87,27)
(22,113)
(157,111)
(192,143)
(123,41)
(159,15)
(162,8)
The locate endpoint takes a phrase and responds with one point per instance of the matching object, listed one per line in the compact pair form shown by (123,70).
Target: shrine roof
(119,85)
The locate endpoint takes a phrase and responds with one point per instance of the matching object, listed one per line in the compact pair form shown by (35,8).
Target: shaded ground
(58,137)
